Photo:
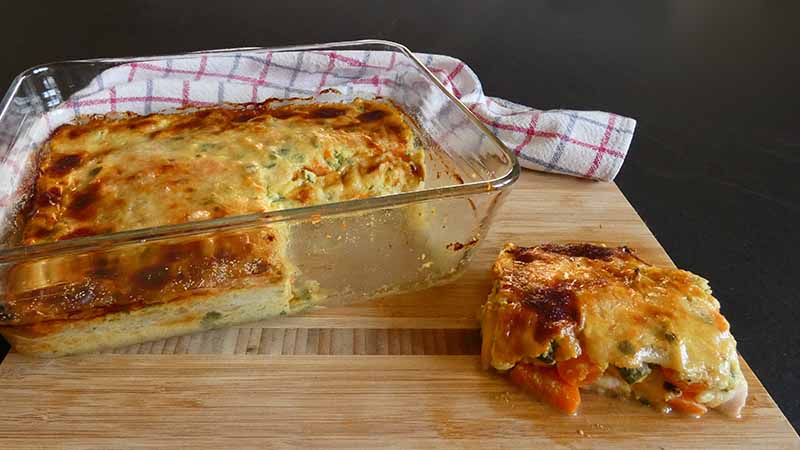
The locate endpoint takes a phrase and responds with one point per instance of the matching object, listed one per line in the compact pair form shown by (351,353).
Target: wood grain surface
(397,372)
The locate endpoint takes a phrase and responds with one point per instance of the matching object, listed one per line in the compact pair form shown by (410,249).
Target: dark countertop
(714,164)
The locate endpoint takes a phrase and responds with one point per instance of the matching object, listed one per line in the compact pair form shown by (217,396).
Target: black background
(715,160)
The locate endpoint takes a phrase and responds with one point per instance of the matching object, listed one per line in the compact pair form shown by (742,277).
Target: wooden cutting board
(399,372)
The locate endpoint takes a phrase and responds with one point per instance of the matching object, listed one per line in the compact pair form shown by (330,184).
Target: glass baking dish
(326,254)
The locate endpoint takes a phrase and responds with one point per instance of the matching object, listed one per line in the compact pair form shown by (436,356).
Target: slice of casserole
(561,318)
(111,174)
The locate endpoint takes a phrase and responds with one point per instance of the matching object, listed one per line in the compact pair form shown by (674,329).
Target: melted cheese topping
(111,175)
(611,305)
(119,174)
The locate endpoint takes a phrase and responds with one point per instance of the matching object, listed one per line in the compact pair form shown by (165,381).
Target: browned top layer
(114,174)
(609,304)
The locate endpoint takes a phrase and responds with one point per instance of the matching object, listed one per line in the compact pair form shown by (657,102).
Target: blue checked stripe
(295,71)
(562,143)
(545,164)
(221,90)
(574,115)
(169,69)
(148,104)
(361,73)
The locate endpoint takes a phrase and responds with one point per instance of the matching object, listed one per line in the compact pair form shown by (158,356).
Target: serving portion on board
(565,317)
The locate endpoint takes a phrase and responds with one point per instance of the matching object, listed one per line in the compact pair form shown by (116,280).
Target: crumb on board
(505,397)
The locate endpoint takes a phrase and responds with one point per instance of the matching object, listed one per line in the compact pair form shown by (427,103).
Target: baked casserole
(109,174)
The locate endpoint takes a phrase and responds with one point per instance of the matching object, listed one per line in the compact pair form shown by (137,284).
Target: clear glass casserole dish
(284,260)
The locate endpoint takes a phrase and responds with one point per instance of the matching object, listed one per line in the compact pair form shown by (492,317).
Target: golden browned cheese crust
(564,301)
(116,174)
(110,175)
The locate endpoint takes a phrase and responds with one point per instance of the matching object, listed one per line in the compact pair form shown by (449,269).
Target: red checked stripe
(262,76)
(132,72)
(529,133)
(202,69)
(547,134)
(185,93)
(612,119)
(452,75)
(447,80)
(112,98)
(391,64)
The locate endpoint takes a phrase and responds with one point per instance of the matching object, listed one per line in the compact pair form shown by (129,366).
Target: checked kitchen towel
(589,144)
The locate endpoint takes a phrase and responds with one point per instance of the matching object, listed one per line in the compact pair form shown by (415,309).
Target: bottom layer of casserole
(562,318)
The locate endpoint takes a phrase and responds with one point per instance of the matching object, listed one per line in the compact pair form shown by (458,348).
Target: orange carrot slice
(545,384)
(688,390)
(687,406)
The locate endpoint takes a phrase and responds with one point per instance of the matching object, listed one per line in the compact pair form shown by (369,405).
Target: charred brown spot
(523,254)
(84,204)
(283,113)
(192,123)
(415,170)
(397,130)
(81,232)
(218,212)
(244,116)
(579,250)
(151,278)
(326,113)
(373,167)
(556,308)
(95,171)
(39,232)
(138,124)
(371,116)
(64,165)
(79,130)
(50,197)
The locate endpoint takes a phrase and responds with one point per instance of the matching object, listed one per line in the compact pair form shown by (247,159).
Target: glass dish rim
(163,232)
